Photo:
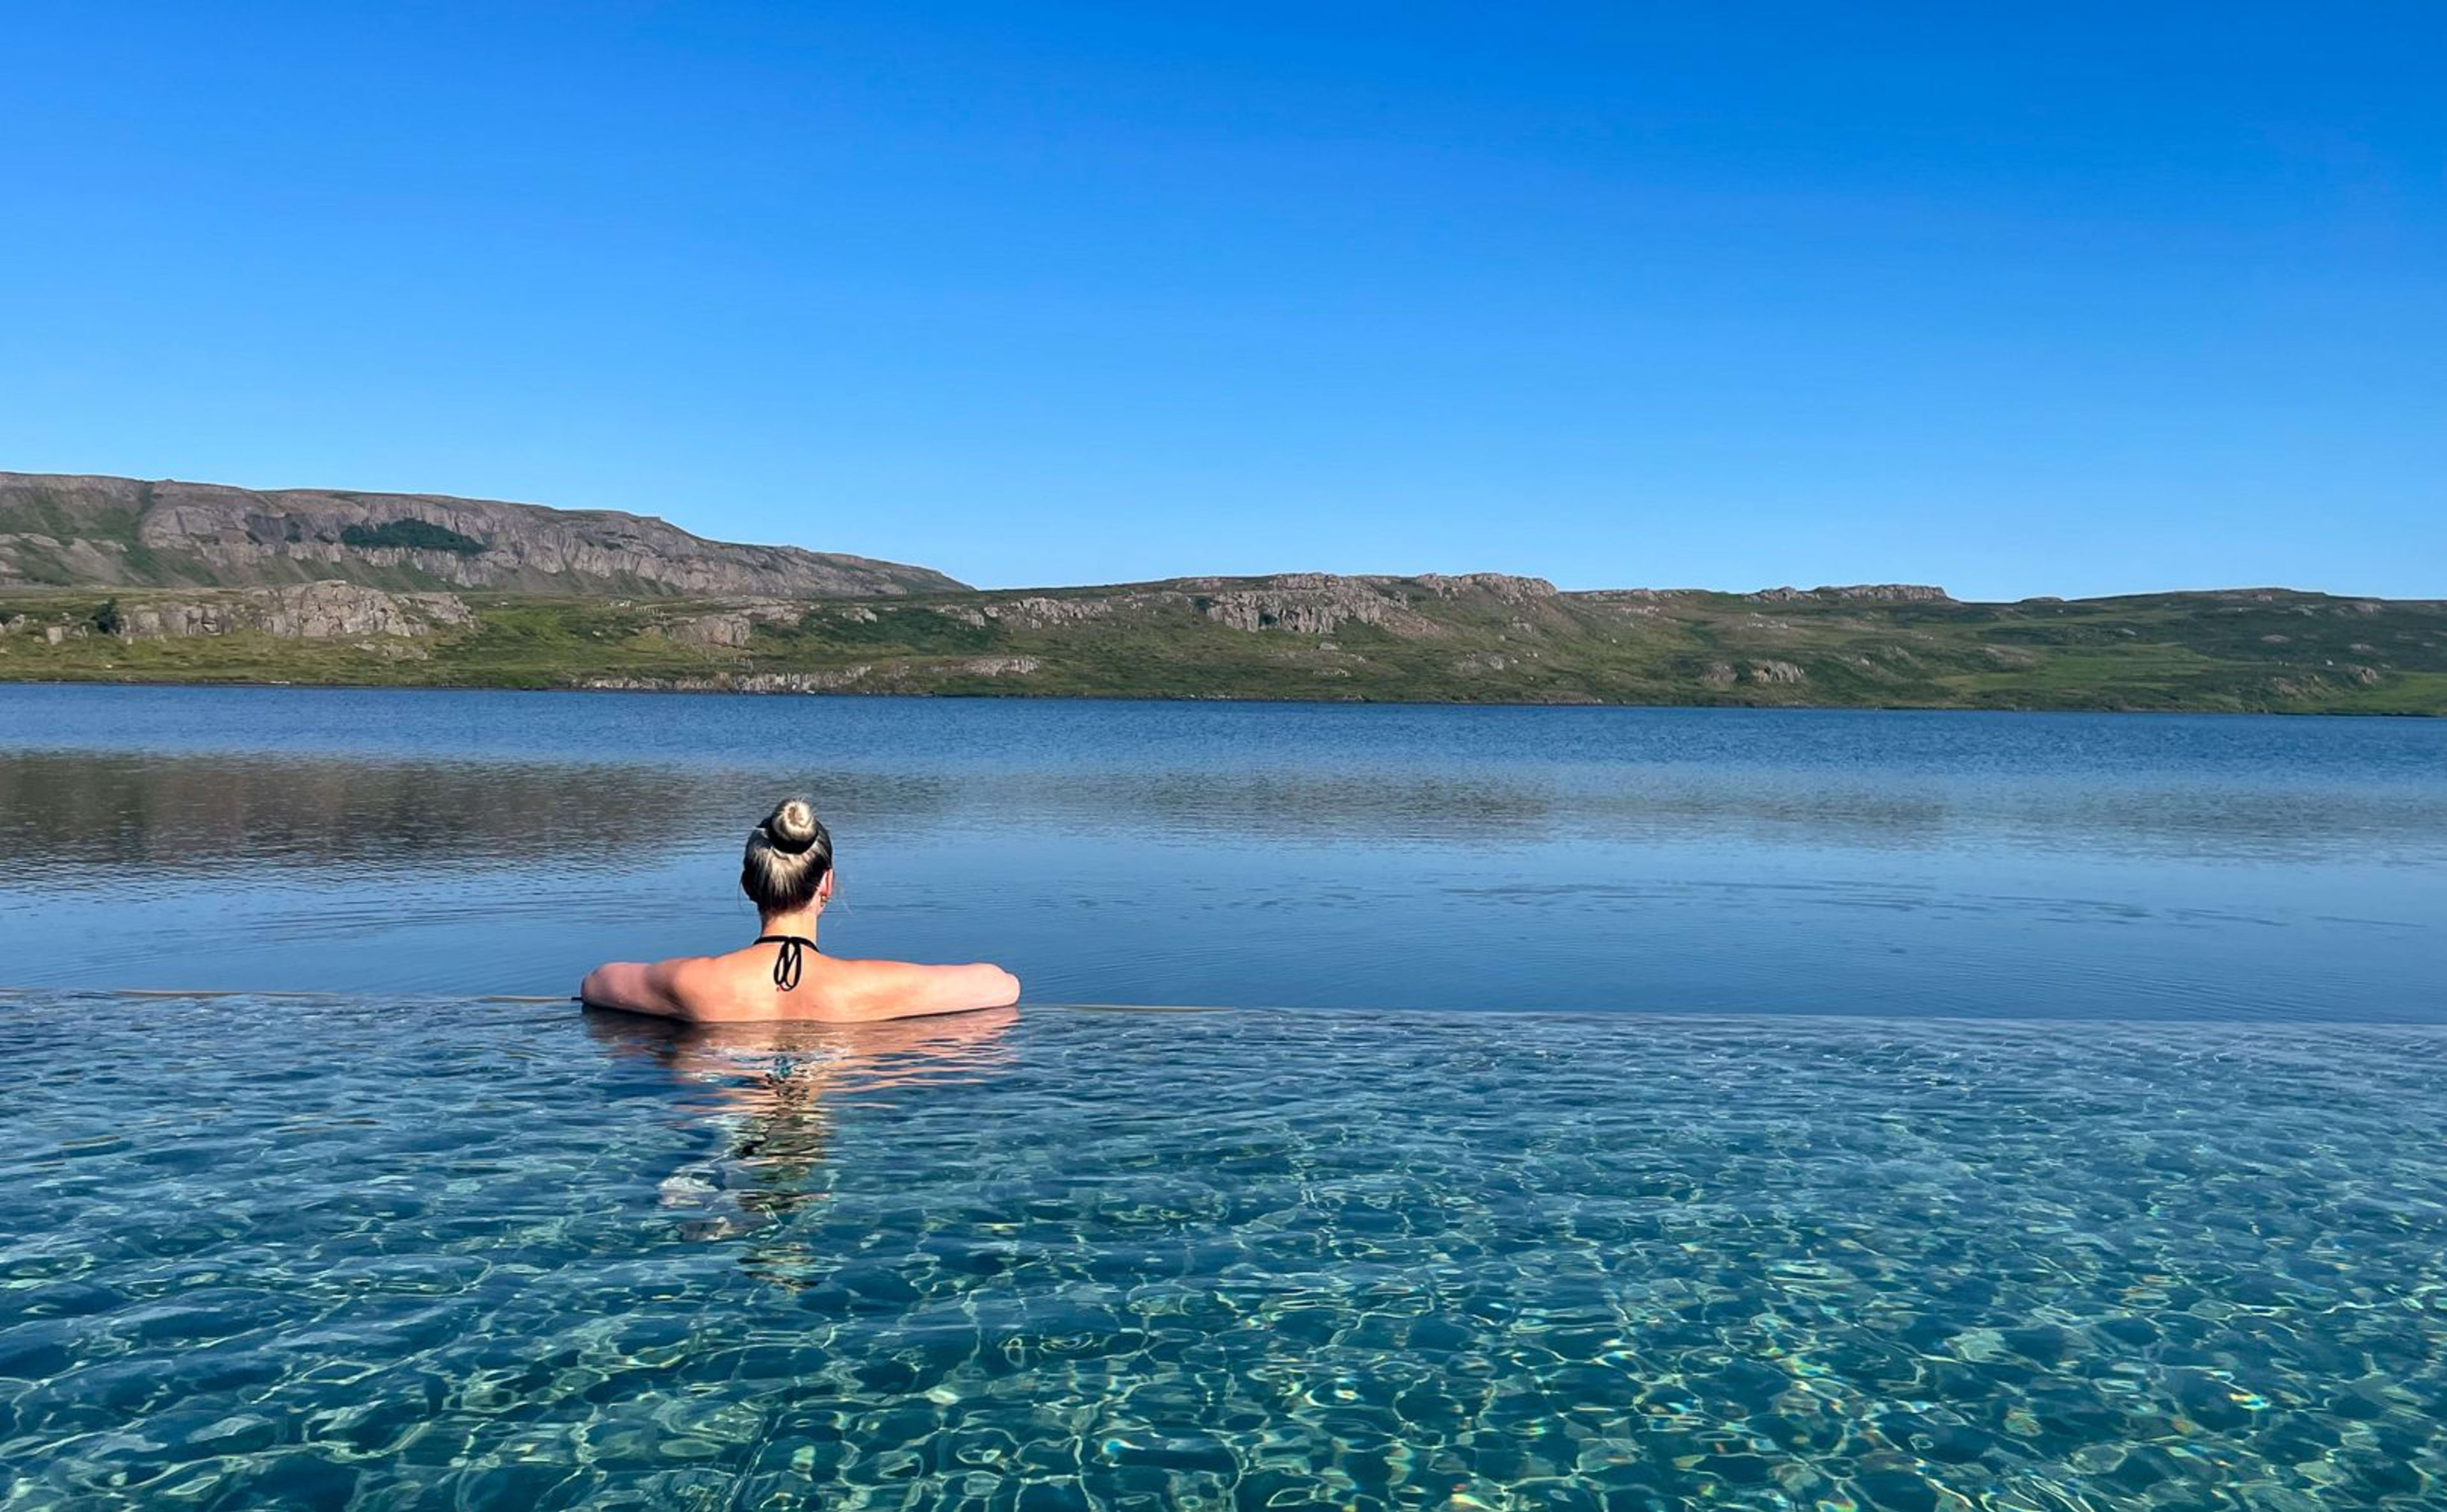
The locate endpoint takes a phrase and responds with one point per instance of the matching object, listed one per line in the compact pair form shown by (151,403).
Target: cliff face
(1294,603)
(1857,593)
(328,610)
(66,529)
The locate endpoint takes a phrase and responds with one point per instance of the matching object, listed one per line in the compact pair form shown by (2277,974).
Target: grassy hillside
(1360,639)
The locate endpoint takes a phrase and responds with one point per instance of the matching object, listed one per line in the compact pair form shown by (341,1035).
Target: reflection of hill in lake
(75,817)
(79,817)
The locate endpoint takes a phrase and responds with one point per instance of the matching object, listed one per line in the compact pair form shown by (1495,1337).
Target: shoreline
(1028,695)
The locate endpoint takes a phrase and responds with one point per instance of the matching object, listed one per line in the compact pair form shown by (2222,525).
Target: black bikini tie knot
(786,964)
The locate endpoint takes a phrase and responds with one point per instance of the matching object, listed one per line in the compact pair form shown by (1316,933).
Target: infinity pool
(448,1254)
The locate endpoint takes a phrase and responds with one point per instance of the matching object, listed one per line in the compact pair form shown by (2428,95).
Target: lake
(1651,861)
(1610,1109)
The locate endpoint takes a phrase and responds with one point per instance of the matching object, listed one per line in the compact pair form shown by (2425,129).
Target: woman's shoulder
(858,989)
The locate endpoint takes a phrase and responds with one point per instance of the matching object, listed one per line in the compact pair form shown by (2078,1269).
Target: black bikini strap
(786,964)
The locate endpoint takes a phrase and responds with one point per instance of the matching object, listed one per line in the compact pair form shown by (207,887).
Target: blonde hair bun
(793,825)
(787,857)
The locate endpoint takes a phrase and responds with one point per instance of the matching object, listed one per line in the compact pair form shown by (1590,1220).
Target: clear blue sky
(2070,298)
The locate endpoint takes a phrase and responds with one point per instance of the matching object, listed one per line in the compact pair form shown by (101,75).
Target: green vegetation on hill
(411,535)
(1384,639)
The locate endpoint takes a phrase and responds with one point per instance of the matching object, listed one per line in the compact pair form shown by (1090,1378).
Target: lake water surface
(1613,1109)
(1651,861)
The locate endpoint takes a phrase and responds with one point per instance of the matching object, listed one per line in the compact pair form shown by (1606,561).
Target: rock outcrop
(729,628)
(1316,603)
(1296,603)
(1036,613)
(1502,586)
(332,611)
(1302,610)
(77,530)
(1860,592)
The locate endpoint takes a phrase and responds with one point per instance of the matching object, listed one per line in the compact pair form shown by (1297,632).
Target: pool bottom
(467,1256)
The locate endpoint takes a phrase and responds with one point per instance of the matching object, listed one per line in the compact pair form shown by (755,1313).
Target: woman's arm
(633,988)
(901,989)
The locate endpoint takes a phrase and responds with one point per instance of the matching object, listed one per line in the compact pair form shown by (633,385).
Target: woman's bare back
(788,875)
(739,987)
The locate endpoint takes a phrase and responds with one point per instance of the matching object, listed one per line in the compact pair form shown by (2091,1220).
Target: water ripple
(449,1255)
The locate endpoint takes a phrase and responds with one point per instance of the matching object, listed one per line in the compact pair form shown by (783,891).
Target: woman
(789,874)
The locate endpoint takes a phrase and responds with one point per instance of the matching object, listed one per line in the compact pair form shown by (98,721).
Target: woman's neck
(802,923)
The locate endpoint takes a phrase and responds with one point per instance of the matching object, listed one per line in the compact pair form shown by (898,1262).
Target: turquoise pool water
(409,1254)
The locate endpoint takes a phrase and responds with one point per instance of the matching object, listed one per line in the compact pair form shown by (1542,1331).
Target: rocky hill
(1479,637)
(69,530)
